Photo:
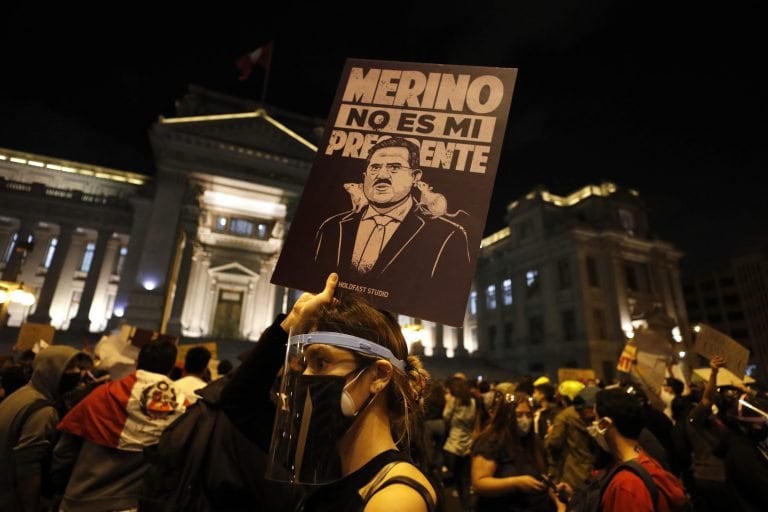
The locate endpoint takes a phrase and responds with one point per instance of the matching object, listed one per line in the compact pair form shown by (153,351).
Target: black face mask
(322,426)
(68,382)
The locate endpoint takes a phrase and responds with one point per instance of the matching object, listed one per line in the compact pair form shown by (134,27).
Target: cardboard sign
(398,195)
(140,337)
(628,356)
(724,377)
(579,374)
(183,349)
(711,342)
(31,334)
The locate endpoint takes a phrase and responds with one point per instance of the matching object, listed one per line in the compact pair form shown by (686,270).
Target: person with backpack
(637,483)
(28,419)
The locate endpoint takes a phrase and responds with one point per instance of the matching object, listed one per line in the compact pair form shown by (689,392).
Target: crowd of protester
(70,438)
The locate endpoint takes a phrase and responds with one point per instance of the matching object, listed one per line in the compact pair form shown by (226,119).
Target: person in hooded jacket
(28,419)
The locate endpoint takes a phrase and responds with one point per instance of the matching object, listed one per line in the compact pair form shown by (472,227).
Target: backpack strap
(641,472)
(410,482)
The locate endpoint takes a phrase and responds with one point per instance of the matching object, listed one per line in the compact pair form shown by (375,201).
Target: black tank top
(344,495)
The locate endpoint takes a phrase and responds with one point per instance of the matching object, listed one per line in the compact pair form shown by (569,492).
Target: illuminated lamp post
(13,293)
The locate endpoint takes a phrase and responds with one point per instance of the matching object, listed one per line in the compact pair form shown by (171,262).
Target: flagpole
(266,73)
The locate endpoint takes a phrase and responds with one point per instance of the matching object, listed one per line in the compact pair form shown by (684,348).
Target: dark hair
(546,389)
(196,360)
(397,142)
(501,430)
(157,357)
(623,408)
(224,367)
(676,384)
(353,315)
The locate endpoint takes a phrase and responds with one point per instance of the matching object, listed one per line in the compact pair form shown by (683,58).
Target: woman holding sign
(346,406)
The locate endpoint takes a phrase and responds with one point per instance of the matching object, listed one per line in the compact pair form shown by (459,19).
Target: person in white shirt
(195,372)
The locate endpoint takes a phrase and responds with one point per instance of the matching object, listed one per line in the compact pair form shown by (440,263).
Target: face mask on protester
(524,425)
(316,410)
(68,382)
(598,433)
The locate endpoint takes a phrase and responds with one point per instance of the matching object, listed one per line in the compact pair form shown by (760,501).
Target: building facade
(571,279)
(735,301)
(189,251)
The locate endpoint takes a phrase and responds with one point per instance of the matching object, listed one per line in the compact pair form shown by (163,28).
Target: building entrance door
(226,323)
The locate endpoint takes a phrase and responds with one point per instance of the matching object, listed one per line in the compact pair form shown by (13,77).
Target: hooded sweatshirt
(28,419)
(626,492)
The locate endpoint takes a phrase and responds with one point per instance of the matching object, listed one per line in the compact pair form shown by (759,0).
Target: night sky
(664,97)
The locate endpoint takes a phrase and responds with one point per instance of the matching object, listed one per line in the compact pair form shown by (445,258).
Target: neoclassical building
(189,251)
(571,279)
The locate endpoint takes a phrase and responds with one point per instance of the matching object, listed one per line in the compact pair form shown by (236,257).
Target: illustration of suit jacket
(423,251)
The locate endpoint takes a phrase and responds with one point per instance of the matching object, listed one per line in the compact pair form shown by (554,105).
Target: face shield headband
(314,407)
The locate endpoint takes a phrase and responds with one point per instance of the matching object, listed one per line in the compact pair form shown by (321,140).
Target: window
(535,330)
(568,319)
(473,302)
(85,264)
(563,274)
(526,229)
(9,247)
(600,329)
(627,221)
(631,277)
(532,282)
(506,287)
(492,337)
(727,281)
(50,252)
(735,316)
(120,260)
(592,275)
(490,296)
(243,227)
(509,332)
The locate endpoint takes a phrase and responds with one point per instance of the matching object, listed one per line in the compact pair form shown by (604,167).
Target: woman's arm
(486,484)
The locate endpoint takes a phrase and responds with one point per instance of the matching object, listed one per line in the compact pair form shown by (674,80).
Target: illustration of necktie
(374,245)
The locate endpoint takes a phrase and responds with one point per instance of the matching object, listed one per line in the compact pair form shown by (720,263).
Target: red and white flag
(128,414)
(261,56)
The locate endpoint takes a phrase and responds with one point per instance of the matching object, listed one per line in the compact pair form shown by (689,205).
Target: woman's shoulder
(406,485)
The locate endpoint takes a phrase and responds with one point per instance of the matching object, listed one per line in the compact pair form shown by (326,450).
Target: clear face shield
(314,405)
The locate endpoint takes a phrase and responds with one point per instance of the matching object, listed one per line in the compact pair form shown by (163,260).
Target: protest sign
(627,358)
(31,334)
(398,194)
(711,342)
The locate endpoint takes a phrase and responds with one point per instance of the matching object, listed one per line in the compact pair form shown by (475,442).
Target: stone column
(460,351)
(438,350)
(182,280)
(13,267)
(51,282)
(81,322)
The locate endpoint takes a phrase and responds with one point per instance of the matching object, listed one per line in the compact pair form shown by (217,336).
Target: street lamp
(13,293)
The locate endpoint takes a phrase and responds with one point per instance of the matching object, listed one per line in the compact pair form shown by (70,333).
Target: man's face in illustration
(388,179)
